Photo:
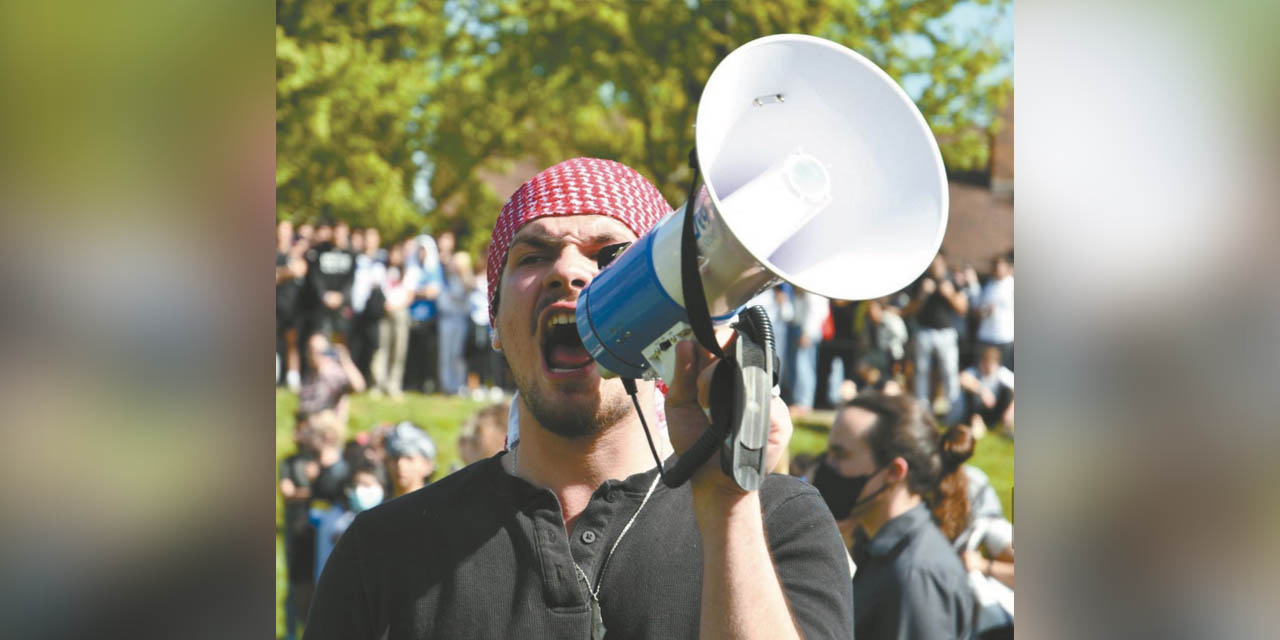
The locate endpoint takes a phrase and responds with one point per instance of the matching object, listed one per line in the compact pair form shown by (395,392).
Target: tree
(492,81)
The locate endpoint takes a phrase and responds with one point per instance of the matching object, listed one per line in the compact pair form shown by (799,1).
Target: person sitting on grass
(485,433)
(988,394)
(362,490)
(332,375)
(411,458)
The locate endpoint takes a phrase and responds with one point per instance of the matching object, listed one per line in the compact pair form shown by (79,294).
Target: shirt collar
(898,529)
(521,489)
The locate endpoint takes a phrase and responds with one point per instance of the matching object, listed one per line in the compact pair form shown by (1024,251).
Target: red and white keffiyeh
(574,187)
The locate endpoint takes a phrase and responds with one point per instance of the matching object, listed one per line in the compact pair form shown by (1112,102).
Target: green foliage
(476,84)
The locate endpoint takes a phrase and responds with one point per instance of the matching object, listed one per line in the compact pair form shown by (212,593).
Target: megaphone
(817,169)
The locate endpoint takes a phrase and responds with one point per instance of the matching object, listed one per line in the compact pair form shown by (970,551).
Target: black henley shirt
(910,584)
(484,554)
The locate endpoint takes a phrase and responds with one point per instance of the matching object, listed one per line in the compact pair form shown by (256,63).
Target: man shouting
(570,534)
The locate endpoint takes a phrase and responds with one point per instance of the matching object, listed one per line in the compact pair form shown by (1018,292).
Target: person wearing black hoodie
(327,291)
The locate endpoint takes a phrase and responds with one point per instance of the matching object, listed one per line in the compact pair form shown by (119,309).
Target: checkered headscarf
(574,187)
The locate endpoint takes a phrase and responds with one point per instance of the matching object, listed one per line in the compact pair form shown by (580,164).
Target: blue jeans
(944,343)
(804,375)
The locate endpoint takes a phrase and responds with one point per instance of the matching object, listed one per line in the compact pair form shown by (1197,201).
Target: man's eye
(529,259)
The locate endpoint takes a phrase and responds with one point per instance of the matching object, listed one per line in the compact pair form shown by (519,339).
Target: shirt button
(588,536)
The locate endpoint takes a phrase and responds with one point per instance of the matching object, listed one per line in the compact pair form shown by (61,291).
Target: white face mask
(365,497)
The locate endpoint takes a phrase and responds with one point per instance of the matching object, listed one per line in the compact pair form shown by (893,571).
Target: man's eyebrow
(546,241)
(536,241)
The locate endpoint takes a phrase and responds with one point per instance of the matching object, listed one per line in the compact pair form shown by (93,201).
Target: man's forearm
(741,594)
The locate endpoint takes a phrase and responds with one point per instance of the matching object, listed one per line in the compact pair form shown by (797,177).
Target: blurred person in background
(342,235)
(306,233)
(306,475)
(361,490)
(411,458)
(291,271)
(935,302)
(485,433)
(967,283)
(421,367)
(988,394)
(882,338)
(811,312)
(357,241)
(891,487)
(327,294)
(454,311)
(331,377)
(326,432)
(985,544)
(837,357)
(296,473)
(995,309)
(393,328)
(368,300)
(482,361)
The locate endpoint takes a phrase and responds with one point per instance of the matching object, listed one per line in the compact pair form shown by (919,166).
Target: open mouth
(561,347)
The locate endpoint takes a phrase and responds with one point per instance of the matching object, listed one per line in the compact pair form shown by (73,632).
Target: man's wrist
(717,505)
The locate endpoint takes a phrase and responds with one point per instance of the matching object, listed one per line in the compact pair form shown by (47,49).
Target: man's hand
(927,287)
(333,299)
(741,594)
(687,398)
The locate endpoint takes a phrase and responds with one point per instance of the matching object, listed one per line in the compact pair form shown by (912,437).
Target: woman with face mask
(884,477)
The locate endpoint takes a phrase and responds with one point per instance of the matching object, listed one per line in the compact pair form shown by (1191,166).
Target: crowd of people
(411,315)
(925,531)
(947,339)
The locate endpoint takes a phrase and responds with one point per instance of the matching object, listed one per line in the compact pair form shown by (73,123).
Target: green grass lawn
(443,417)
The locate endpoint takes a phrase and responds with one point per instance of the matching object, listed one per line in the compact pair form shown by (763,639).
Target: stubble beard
(573,420)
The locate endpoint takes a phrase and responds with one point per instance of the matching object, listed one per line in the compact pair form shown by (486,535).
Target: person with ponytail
(886,477)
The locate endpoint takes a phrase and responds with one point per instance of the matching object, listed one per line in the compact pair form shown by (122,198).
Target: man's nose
(572,270)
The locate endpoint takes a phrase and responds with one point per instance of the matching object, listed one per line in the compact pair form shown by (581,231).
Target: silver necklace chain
(594,593)
(605,567)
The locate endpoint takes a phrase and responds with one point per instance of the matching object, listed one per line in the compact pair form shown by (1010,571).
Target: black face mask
(840,492)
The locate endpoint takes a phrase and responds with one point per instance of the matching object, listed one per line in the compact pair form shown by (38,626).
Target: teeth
(562,318)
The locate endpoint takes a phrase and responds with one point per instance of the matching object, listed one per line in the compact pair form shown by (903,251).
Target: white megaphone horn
(817,169)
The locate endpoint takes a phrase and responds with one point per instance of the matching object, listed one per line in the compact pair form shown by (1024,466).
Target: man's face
(990,362)
(408,471)
(1002,269)
(549,263)
(371,241)
(317,346)
(341,235)
(938,268)
(847,449)
(324,233)
(849,454)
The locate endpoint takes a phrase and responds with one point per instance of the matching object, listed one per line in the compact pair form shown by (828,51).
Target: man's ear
(898,469)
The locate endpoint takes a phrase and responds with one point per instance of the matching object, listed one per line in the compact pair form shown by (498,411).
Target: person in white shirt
(811,311)
(995,310)
(988,394)
(393,329)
